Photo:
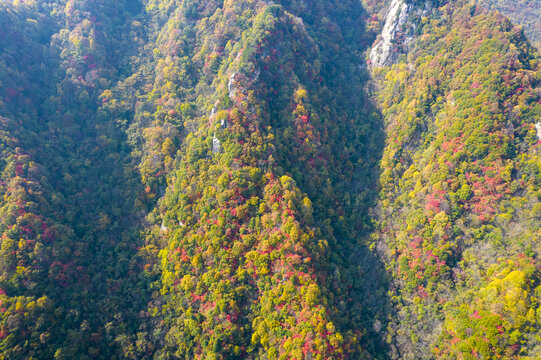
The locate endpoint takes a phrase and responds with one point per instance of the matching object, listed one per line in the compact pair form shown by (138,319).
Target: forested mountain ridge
(526,13)
(229,180)
(459,198)
(68,241)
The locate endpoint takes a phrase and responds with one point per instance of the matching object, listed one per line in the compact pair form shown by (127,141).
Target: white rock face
(231,86)
(397,16)
(215,144)
(163,227)
(538,128)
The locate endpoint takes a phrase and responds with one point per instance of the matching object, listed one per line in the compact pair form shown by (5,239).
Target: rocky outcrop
(381,54)
(231,86)
(215,144)
(398,32)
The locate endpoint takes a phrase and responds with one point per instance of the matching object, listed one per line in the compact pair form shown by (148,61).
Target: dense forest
(526,13)
(250,179)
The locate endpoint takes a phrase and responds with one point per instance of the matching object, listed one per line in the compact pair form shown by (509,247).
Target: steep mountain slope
(243,222)
(254,256)
(526,13)
(68,235)
(227,179)
(459,200)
